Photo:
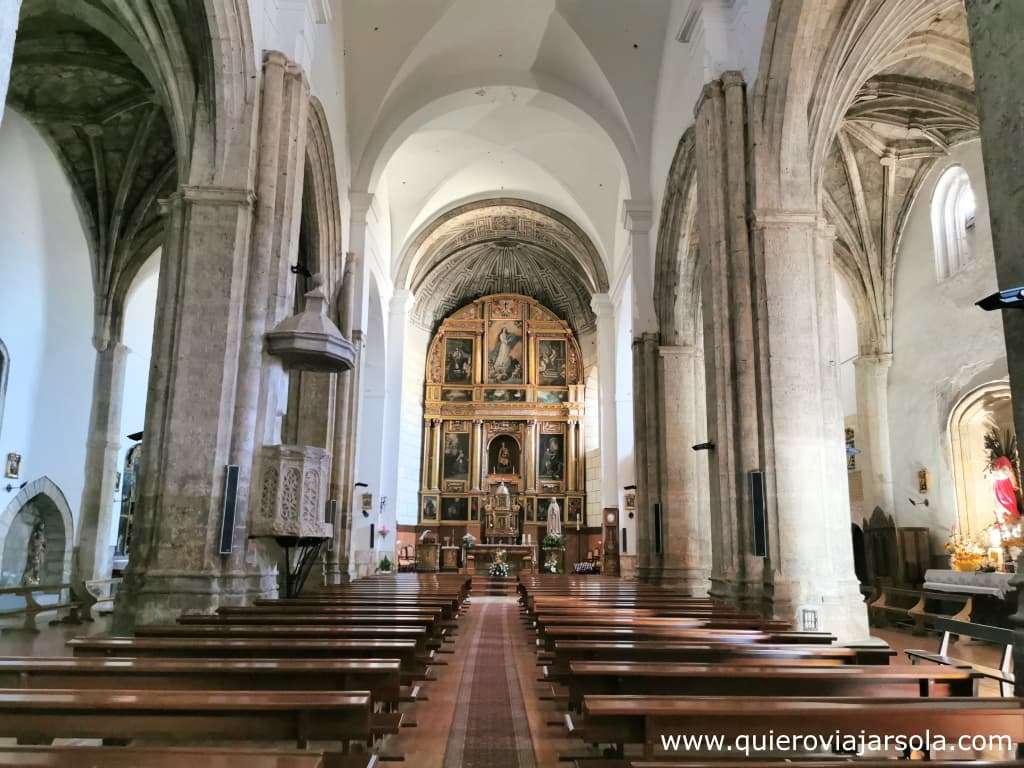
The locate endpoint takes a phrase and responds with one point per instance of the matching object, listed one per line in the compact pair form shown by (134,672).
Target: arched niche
(40,500)
(979,412)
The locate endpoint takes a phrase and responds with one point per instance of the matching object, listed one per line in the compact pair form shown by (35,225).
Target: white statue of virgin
(554,518)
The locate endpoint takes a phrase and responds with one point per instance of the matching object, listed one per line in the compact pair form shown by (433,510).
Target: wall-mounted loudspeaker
(759,518)
(227,518)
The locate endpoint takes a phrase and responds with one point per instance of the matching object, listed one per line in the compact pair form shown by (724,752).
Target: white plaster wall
(46,314)
(410,440)
(8,27)
(943,347)
(139,316)
(624,409)
(847,347)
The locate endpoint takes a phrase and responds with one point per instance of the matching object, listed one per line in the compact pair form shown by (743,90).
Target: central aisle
(490,727)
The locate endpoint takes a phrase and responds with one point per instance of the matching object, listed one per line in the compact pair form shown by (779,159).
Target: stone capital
(680,351)
(637,216)
(359,205)
(768,218)
(602,305)
(235,196)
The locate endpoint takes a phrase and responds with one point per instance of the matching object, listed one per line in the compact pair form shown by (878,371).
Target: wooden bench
(32,607)
(1004,675)
(381,677)
(434,631)
(621,720)
(567,651)
(325,631)
(920,607)
(587,678)
(36,716)
(176,757)
(414,667)
(683,634)
(449,608)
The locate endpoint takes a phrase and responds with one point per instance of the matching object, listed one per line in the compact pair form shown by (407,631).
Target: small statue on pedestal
(36,555)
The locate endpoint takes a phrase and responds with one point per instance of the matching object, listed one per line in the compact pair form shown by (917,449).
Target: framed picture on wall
(458,361)
(455,510)
(551,362)
(12,467)
(551,465)
(428,509)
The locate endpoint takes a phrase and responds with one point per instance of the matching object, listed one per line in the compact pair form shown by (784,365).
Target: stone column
(9,11)
(810,550)
(174,563)
(97,516)
(875,459)
(731,352)
(605,311)
(996,29)
(336,559)
(686,518)
(647,456)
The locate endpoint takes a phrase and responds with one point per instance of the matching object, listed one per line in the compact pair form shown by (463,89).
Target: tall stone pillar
(102,447)
(175,563)
(342,449)
(9,11)
(647,456)
(996,29)
(605,311)
(731,352)
(686,516)
(875,459)
(811,553)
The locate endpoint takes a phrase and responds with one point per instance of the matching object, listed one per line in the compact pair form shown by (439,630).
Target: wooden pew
(414,667)
(554,635)
(40,715)
(567,651)
(176,757)
(229,631)
(995,635)
(381,677)
(434,631)
(588,678)
(622,720)
(449,608)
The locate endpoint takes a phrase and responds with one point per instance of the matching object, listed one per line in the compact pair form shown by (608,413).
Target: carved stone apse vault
(503,246)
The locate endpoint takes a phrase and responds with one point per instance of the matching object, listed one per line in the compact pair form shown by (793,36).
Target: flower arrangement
(468,541)
(964,554)
(552,542)
(551,566)
(499,568)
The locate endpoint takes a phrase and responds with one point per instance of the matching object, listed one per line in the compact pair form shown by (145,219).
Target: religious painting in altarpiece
(503,404)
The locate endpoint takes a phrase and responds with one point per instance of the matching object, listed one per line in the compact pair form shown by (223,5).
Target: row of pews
(318,681)
(635,671)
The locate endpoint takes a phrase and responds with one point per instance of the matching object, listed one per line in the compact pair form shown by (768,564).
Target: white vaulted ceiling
(547,100)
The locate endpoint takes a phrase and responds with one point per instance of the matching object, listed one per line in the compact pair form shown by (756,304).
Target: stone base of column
(743,587)
(159,597)
(688,581)
(837,607)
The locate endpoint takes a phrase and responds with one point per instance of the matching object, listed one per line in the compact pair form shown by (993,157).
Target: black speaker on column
(759,516)
(227,518)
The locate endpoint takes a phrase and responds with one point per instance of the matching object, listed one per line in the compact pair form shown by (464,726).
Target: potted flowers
(553,549)
(385,565)
(499,568)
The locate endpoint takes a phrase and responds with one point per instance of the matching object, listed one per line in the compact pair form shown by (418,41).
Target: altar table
(521,558)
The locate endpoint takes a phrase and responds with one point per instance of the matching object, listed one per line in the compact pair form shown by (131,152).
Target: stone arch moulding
(965,413)
(43,486)
(320,198)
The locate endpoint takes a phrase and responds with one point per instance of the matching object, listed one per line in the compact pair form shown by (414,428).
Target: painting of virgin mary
(505,354)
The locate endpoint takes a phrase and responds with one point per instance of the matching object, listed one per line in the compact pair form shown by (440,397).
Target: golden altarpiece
(502,425)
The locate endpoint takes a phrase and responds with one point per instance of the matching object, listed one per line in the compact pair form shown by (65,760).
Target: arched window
(953,211)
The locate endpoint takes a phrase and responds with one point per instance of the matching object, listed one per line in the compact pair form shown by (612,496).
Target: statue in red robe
(1004,485)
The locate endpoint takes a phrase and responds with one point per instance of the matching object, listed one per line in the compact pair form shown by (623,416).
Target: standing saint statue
(35,556)
(554,518)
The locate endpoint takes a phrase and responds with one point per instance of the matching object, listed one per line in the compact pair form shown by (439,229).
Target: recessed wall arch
(44,489)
